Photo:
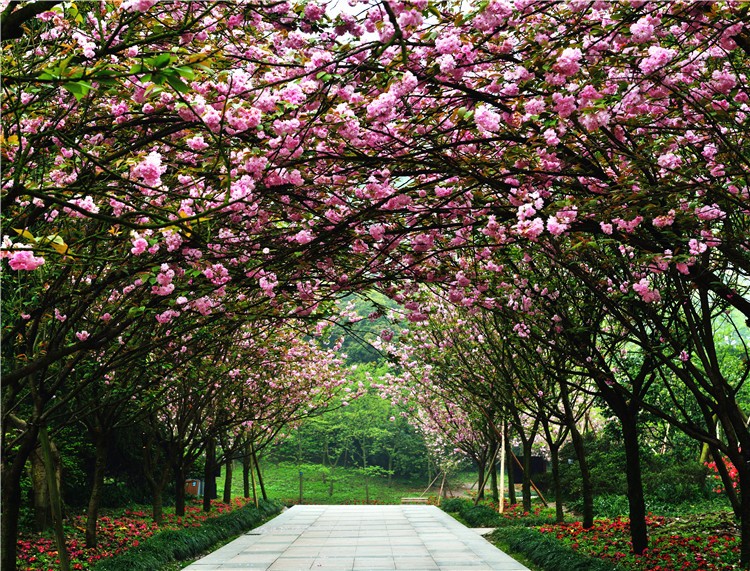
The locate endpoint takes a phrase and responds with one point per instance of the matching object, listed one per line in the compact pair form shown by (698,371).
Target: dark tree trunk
(509,466)
(260,477)
(744,474)
(526,481)
(726,481)
(55,499)
(209,475)
(100,463)
(228,480)
(637,503)
(481,480)
(246,467)
(42,506)
(12,471)
(555,457)
(179,492)
(587,487)
(492,467)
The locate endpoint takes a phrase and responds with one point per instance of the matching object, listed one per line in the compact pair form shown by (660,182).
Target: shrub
(176,545)
(546,551)
(486,515)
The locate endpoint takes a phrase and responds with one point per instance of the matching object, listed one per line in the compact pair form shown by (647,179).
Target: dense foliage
(556,194)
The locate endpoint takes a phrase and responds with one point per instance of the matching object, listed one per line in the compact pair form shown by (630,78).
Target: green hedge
(179,544)
(484,516)
(546,552)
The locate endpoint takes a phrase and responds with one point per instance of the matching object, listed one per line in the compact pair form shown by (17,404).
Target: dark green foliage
(668,479)
(453,505)
(176,545)
(483,515)
(546,551)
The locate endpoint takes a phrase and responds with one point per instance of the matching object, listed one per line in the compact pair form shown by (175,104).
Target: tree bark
(209,475)
(42,505)
(97,486)
(526,480)
(510,465)
(555,457)
(744,475)
(726,481)
(637,503)
(55,500)
(587,487)
(228,479)
(12,472)
(492,467)
(179,492)
(246,468)
(260,477)
(481,481)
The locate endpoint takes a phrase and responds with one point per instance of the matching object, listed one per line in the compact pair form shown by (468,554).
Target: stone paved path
(360,538)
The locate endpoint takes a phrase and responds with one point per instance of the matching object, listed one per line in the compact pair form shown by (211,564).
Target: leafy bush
(607,505)
(453,505)
(546,551)
(176,545)
(667,478)
(486,515)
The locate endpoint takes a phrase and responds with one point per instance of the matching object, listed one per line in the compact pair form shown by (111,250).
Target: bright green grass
(282,483)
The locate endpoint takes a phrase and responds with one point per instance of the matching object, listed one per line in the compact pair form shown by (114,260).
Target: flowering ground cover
(119,530)
(706,542)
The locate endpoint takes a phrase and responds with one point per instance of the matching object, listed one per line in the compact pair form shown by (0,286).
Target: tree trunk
(12,471)
(510,465)
(246,467)
(228,479)
(726,481)
(156,482)
(492,467)
(526,481)
(209,475)
(179,492)
(638,530)
(252,477)
(481,482)
(744,474)
(260,476)
(555,457)
(390,469)
(587,487)
(157,505)
(97,486)
(55,500)
(42,505)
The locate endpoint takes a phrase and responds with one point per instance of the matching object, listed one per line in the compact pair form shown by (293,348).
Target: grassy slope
(282,483)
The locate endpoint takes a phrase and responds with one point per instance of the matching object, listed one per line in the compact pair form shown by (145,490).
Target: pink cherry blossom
(25,260)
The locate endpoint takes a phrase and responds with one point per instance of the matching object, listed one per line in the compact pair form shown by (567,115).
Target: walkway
(360,538)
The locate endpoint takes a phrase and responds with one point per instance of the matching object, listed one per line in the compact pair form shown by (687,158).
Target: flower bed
(685,544)
(117,532)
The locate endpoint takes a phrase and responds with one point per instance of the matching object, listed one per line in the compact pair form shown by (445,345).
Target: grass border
(174,545)
(545,551)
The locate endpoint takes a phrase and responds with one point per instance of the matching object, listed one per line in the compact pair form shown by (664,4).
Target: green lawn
(323,486)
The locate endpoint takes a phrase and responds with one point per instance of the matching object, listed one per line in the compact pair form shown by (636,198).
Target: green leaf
(185,72)
(78,88)
(134,311)
(162,60)
(177,84)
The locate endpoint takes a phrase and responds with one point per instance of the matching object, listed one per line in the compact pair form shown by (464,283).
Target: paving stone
(360,538)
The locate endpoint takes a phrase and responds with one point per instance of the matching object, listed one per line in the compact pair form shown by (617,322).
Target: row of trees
(579,169)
